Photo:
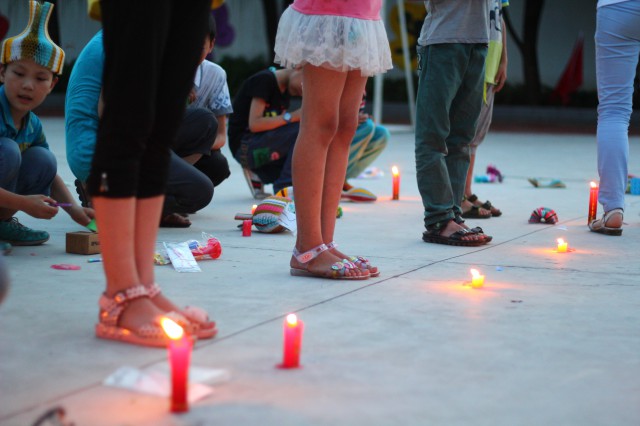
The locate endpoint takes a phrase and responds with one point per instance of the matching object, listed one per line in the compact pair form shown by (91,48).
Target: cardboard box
(83,242)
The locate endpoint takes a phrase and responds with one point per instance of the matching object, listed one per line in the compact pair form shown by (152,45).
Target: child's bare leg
(116,225)
(469,181)
(466,204)
(338,154)
(320,105)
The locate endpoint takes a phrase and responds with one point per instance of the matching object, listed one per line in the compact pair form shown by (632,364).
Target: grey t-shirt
(212,91)
(455,21)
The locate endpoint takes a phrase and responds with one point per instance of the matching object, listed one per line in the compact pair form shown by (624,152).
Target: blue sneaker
(15,233)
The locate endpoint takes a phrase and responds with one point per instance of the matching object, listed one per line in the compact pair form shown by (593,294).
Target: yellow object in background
(94,8)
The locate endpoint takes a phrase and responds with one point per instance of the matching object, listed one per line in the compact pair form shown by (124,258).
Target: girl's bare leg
(338,154)
(117,226)
(321,106)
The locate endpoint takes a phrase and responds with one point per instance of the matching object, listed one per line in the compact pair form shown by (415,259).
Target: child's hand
(38,206)
(82,215)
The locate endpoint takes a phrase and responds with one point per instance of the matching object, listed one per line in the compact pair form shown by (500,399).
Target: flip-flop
(433,235)
(555,183)
(600,225)
(474,213)
(359,195)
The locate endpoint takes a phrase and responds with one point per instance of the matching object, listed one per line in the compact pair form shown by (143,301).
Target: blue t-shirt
(30,134)
(81,107)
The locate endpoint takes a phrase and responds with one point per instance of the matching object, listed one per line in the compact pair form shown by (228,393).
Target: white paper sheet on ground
(288,218)
(209,376)
(152,383)
(181,257)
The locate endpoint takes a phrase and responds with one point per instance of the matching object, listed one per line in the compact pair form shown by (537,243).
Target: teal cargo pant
(448,105)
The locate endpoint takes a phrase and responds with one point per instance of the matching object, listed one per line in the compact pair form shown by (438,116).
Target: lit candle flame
(395,171)
(593,184)
(474,273)
(292,320)
(253,208)
(171,328)
(560,241)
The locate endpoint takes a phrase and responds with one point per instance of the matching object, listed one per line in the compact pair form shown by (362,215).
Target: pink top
(361,9)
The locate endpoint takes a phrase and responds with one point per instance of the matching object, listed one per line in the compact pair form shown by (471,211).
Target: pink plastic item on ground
(211,250)
(66,267)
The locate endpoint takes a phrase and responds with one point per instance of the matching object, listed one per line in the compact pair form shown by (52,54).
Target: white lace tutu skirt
(335,42)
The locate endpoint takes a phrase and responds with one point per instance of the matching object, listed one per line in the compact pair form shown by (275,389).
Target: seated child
(262,132)
(30,65)
(188,189)
(210,102)
(367,144)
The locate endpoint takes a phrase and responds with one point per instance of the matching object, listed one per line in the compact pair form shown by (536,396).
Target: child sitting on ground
(30,65)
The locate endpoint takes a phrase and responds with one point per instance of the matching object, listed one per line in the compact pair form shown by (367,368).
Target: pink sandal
(361,263)
(203,328)
(151,334)
(338,269)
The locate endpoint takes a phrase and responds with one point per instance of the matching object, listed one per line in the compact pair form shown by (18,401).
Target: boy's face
(206,48)
(26,84)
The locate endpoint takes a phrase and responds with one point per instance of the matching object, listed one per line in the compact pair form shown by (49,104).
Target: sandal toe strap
(361,262)
(340,268)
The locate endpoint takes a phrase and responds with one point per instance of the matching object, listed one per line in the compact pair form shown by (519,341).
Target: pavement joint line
(544,269)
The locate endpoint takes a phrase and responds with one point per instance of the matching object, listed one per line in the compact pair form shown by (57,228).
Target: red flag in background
(4,26)
(571,78)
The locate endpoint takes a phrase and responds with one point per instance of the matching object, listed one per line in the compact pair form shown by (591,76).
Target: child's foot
(203,328)
(486,205)
(471,211)
(138,313)
(454,234)
(15,233)
(323,264)
(130,316)
(361,262)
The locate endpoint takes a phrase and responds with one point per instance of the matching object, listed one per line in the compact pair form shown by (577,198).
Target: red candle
(593,202)
(292,341)
(246,227)
(179,358)
(396,183)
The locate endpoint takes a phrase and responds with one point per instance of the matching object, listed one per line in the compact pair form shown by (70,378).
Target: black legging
(152,50)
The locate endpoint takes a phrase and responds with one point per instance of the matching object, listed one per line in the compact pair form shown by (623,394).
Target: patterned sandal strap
(361,262)
(309,255)
(112,307)
(154,290)
(332,245)
(340,268)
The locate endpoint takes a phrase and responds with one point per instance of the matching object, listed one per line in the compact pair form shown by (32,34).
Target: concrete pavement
(551,338)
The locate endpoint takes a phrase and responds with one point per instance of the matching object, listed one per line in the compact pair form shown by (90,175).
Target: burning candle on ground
(179,358)
(396,183)
(253,208)
(593,202)
(246,227)
(477,280)
(562,246)
(292,341)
